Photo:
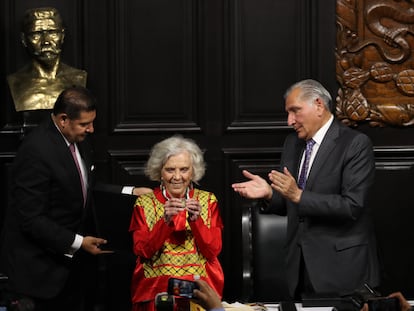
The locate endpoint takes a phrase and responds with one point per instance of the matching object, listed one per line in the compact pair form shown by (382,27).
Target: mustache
(48,50)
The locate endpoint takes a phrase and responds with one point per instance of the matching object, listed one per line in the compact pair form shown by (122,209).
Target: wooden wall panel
(128,166)
(256,33)
(392,208)
(214,71)
(155,66)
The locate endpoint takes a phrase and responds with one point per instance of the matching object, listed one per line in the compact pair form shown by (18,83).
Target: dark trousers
(78,294)
(69,298)
(304,287)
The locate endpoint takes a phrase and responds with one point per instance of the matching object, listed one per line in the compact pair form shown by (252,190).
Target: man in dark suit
(331,246)
(47,239)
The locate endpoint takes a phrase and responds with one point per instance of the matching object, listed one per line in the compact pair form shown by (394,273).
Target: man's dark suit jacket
(331,224)
(45,213)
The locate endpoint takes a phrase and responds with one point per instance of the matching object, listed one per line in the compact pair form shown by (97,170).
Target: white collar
(320,134)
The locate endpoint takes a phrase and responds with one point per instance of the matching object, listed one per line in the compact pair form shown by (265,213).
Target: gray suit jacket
(332,223)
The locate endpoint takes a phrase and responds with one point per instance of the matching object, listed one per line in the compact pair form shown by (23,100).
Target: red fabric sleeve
(145,242)
(209,240)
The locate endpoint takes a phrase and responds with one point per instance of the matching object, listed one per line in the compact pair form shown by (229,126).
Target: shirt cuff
(127,189)
(77,243)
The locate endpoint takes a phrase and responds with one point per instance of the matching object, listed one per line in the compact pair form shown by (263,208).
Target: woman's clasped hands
(179,206)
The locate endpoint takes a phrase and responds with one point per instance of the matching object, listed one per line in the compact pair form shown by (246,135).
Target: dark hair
(73,101)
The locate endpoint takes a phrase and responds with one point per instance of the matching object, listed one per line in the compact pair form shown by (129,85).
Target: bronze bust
(37,85)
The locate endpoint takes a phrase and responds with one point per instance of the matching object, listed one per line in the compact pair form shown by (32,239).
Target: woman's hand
(173,207)
(193,208)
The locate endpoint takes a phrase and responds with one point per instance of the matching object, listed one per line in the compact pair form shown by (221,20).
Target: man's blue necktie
(305,166)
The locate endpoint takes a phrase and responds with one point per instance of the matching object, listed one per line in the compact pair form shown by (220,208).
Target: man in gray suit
(331,246)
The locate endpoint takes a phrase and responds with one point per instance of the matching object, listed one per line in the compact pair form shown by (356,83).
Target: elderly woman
(176,228)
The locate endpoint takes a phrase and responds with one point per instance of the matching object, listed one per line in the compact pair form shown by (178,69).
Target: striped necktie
(305,166)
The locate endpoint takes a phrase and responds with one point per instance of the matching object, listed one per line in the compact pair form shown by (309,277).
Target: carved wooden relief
(374,62)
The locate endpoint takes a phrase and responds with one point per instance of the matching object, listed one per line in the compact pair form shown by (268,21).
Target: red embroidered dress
(166,251)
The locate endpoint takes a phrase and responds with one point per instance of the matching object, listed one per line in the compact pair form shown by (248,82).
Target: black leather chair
(264,270)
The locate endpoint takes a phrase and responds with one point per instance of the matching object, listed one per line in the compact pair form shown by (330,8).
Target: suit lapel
(86,151)
(61,146)
(297,156)
(291,157)
(327,145)
(64,155)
